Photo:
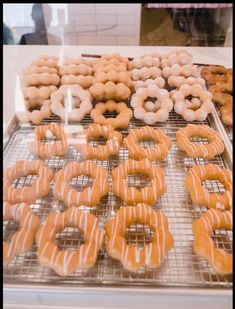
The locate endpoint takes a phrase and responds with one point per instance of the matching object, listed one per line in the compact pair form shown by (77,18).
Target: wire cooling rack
(181,266)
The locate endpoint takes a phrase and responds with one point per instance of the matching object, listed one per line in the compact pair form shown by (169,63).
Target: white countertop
(17,57)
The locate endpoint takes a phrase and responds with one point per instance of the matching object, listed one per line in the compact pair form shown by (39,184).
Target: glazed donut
(34,93)
(145,61)
(177,81)
(115,56)
(62,94)
(65,262)
(200,195)
(101,152)
(160,150)
(158,111)
(121,121)
(74,69)
(77,61)
(118,67)
(36,116)
(90,196)
(131,195)
(110,90)
(177,70)
(196,91)
(39,70)
(38,188)
(159,82)
(83,81)
(181,57)
(214,147)
(23,239)
(46,151)
(131,256)
(116,77)
(146,73)
(41,79)
(213,74)
(44,60)
(220,95)
(220,260)
(226,112)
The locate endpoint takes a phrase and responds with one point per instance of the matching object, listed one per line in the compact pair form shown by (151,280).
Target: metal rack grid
(181,266)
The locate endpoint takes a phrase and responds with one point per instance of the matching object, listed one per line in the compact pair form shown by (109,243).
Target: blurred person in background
(42,17)
(8,37)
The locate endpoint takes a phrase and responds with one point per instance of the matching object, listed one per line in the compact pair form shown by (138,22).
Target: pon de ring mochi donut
(133,257)
(66,261)
(71,95)
(192,102)
(147,110)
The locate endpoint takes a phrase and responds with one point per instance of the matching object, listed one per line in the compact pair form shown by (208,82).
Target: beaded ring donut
(200,195)
(77,61)
(146,73)
(160,150)
(74,69)
(101,152)
(36,116)
(31,69)
(80,94)
(106,67)
(202,105)
(177,70)
(90,196)
(39,188)
(158,111)
(46,151)
(152,60)
(177,81)
(116,77)
(180,57)
(220,95)
(115,56)
(226,112)
(44,60)
(45,79)
(121,121)
(131,195)
(22,240)
(33,93)
(84,81)
(159,82)
(220,260)
(110,90)
(214,147)
(133,258)
(65,262)
(213,74)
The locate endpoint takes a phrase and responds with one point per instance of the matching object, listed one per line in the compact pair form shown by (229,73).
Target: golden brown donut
(220,95)
(90,196)
(226,112)
(208,151)
(160,150)
(65,262)
(132,257)
(121,121)
(220,260)
(45,79)
(116,77)
(101,152)
(46,151)
(213,74)
(22,240)
(200,195)
(131,195)
(39,187)
(110,90)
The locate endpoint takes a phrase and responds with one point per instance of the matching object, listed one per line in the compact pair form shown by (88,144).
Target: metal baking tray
(181,268)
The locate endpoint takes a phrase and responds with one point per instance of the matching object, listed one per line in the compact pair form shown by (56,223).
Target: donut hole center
(147,142)
(10,227)
(193,103)
(49,137)
(138,234)
(113,114)
(199,139)
(72,102)
(214,185)
(152,104)
(24,181)
(138,180)
(222,239)
(69,238)
(81,182)
(98,140)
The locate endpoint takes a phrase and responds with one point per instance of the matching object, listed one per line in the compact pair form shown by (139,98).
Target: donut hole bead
(69,238)
(138,235)
(138,180)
